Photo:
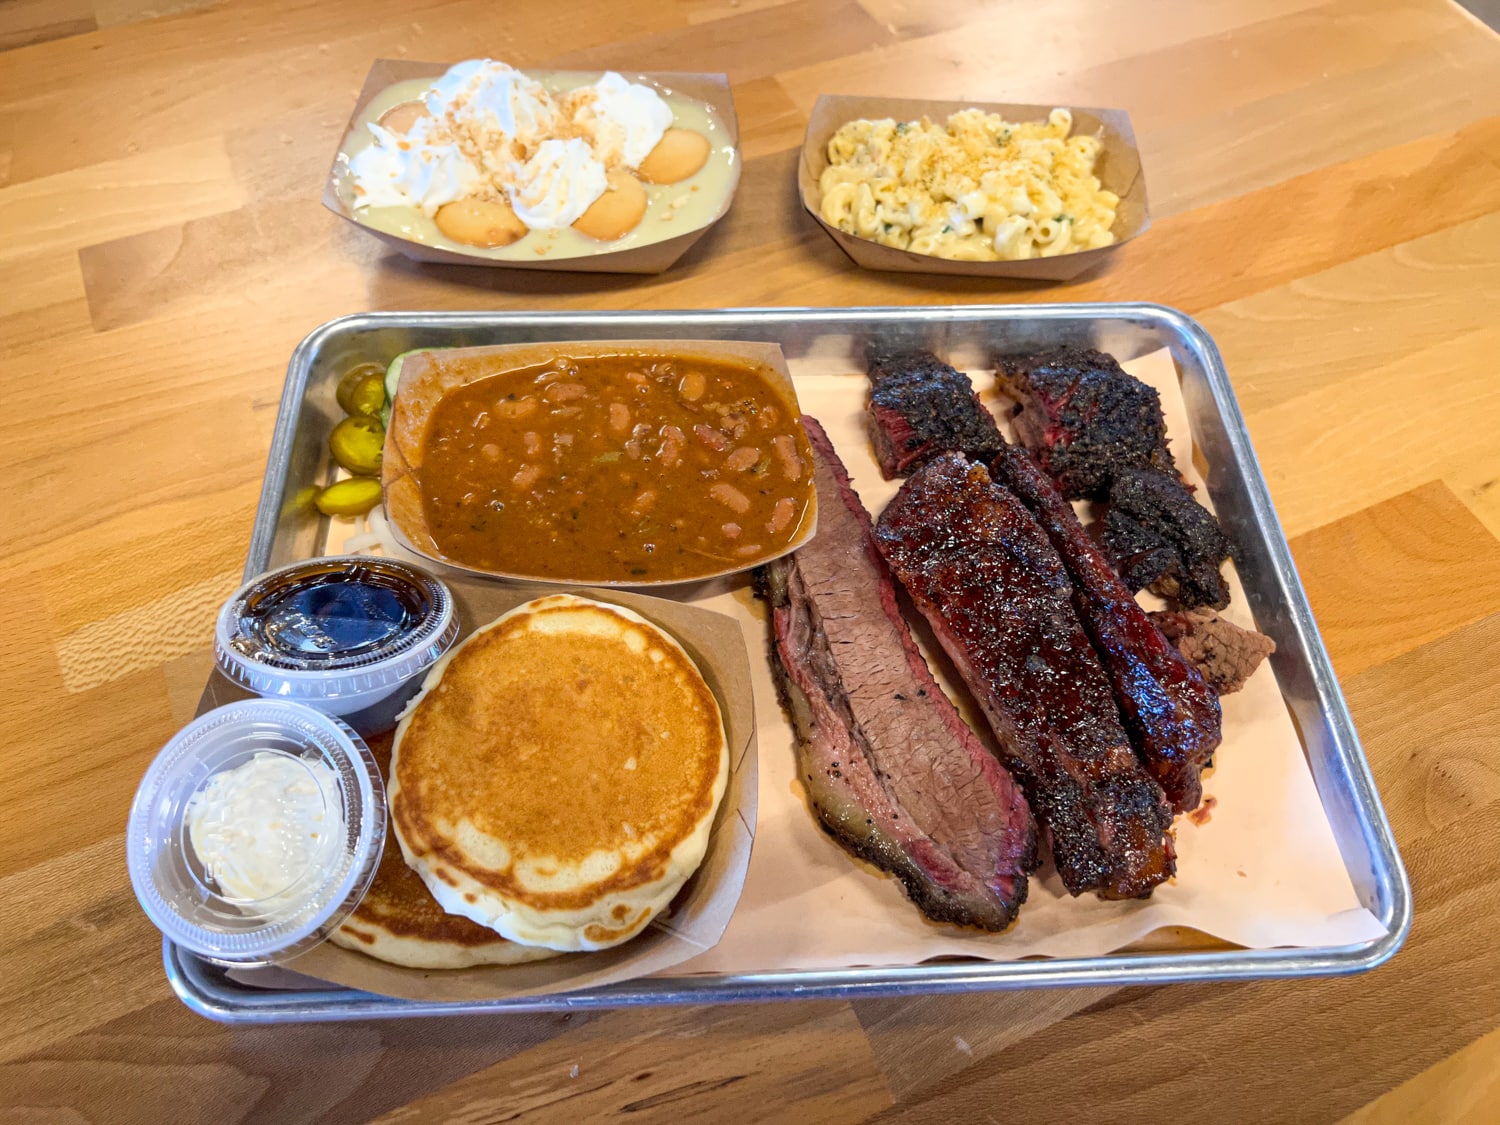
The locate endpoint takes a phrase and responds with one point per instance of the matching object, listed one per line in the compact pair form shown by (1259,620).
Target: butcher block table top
(1325,180)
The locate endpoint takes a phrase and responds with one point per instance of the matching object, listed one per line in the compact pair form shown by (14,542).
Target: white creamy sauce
(258,828)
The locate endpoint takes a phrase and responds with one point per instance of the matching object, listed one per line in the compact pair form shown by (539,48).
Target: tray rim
(196,987)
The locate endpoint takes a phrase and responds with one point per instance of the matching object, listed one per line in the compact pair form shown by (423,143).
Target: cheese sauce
(259,828)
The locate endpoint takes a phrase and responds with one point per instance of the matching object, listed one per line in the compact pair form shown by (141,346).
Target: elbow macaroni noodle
(980,189)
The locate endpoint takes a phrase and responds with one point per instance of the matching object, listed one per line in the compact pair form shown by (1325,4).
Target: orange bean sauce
(620,468)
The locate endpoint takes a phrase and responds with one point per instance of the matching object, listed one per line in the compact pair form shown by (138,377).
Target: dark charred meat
(1172,716)
(1099,433)
(893,772)
(1160,537)
(920,407)
(986,577)
(1224,653)
(1084,418)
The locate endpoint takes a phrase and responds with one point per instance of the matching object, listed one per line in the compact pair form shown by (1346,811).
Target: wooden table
(1326,183)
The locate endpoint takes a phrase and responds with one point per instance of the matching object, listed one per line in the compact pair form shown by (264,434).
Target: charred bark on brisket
(1084,418)
(1099,433)
(1160,537)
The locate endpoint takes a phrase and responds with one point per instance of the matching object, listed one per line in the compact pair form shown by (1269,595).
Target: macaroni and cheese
(979,188)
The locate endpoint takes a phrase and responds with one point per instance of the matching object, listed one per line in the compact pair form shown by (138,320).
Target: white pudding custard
(489,161)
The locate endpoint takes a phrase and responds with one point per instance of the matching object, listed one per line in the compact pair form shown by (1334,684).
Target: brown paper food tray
(1119,171)
(697,916)
(654,257)
(424,383)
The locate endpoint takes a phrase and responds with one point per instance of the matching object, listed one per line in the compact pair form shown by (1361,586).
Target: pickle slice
(352,497)
(356,444)
(368,395)
(352,379)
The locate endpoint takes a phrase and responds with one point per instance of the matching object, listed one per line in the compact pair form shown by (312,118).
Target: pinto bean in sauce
(616,468)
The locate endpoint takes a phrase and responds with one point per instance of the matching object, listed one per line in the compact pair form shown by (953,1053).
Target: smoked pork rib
(1172,715)
(920,407)
(986,577)
(893,772)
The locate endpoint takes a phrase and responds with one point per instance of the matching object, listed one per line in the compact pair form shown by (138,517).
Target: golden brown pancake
(399,921)
(558,774)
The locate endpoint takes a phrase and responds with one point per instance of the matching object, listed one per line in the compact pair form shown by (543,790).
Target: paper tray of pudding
(1285,865)
(417,165)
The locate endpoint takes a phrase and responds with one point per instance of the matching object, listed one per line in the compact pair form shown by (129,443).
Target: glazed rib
(893,772)
(1172,715)
(984,575)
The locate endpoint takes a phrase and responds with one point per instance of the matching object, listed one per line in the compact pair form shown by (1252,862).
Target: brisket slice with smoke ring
(1172,715)
(894,774)
(920,407)
(986,577)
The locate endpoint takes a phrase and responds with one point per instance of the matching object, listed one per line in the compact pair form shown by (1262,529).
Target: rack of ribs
(920,407)
(892,771)
(1172,715)
(988,580)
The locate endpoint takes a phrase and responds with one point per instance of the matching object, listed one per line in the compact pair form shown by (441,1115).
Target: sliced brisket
(920,407)
(892,770)
(984,574)
(1224,653)
(1172,716)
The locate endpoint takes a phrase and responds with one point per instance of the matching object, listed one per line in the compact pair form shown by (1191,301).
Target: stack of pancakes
(551,789)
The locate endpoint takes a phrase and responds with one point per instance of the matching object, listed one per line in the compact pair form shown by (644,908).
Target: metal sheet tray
(815,337)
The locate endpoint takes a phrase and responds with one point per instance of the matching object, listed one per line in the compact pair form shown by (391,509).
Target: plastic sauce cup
(180,895)
(351,635)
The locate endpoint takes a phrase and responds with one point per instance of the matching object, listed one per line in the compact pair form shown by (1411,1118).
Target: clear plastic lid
(287,805)
(348,627)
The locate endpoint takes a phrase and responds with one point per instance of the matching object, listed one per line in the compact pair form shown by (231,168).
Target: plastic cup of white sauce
(255,831)
(351,635)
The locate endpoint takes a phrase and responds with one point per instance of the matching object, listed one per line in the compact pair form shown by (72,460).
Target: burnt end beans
(615,468)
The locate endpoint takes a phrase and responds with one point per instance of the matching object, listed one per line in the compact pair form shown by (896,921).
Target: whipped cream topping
(492,133)
(556,186)
(495,107)
(412,171)
(624,120)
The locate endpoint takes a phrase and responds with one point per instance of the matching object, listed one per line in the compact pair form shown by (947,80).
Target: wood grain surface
(1325,176)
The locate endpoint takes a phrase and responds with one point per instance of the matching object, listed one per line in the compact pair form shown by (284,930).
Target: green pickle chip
(356,444)
(354,378)
(352,497)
